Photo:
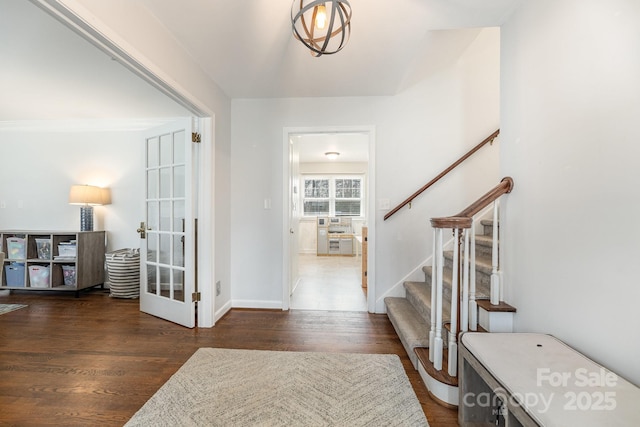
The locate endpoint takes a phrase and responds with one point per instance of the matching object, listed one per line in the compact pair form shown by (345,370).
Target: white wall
(419,132)
(39,168)
(570,139)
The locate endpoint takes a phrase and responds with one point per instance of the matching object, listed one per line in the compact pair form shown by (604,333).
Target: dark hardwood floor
(95,360)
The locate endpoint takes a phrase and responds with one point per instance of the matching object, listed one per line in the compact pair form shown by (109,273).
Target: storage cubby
(42,265)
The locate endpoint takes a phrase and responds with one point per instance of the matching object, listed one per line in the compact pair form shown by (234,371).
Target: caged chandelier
(322,26)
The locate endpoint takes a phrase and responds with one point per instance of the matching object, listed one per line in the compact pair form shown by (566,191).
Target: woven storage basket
(123,271)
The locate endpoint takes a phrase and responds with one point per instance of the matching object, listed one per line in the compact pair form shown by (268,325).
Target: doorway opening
(329,283)
(329,203)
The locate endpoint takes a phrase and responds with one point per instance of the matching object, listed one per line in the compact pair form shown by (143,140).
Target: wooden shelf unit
(88,262)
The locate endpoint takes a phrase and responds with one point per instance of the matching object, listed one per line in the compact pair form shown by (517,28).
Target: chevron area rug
(6,308)
(223,387)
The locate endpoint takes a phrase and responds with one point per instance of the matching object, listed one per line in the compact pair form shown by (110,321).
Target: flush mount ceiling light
(332,155)
(322,26)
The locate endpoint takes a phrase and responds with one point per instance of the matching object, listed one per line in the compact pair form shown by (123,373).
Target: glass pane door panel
(165,149)
(165,216)
(152,285)
(178,215)
(178,285)
(165,183)
(178,250)
(152,184)
(152,152)
(165,249)
(178,147)
(153,221)
(152,249)
(178,181)
(165,282)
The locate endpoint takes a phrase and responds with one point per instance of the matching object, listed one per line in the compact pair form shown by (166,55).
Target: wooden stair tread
(441,376)
(501,307)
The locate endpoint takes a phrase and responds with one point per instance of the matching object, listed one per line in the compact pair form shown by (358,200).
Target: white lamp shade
(89,195)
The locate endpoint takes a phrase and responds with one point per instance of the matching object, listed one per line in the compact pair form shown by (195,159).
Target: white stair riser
(495,321)
(443,392)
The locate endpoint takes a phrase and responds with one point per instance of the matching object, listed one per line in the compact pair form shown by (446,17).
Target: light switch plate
(383,204)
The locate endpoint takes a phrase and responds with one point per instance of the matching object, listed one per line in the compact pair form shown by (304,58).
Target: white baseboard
(243,303)
(222,311)
(398,290)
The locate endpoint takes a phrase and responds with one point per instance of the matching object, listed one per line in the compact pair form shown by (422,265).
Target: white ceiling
(247,46)
(352,147)
(49,73)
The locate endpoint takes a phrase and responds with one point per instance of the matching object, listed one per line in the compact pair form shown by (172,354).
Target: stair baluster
(473,306)
(434,269)
(438,344)
(455,285)
(495,278)
(464,307)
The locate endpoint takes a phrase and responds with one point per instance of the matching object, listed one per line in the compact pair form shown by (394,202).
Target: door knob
(142,230)
(291,230)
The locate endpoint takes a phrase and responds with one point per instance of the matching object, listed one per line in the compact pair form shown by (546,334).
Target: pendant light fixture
(322,26)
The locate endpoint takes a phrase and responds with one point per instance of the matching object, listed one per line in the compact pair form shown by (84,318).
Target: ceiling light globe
(322,26)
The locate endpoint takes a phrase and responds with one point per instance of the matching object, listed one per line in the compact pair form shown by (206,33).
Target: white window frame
(332,193)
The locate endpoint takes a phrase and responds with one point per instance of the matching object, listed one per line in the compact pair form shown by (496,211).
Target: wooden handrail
(490,138)
(464,218)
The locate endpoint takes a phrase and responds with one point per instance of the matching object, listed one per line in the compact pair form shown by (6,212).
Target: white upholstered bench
(526,379)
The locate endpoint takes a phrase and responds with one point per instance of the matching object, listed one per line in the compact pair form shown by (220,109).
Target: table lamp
(88,196)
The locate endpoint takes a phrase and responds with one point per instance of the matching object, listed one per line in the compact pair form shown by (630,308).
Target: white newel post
(495,278)
(453,334)
(434,279)
(438,344)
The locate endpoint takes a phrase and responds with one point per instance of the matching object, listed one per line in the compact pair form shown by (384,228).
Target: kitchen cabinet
(346,244)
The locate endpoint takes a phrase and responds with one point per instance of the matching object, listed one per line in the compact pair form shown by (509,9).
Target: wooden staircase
(411,315)
(423,317)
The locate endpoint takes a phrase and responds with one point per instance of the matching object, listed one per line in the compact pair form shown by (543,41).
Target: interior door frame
(287,198)
(108,41)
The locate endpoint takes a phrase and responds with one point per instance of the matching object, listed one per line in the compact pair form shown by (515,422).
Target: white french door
(167,243)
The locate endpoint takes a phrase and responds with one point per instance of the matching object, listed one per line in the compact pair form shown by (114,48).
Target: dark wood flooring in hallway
(95,360)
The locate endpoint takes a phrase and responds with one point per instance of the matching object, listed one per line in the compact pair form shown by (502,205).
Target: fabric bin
(14,273)
(123,273)
(39,276)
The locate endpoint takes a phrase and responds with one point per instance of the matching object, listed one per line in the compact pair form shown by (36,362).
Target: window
(333,196)
(316,196)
